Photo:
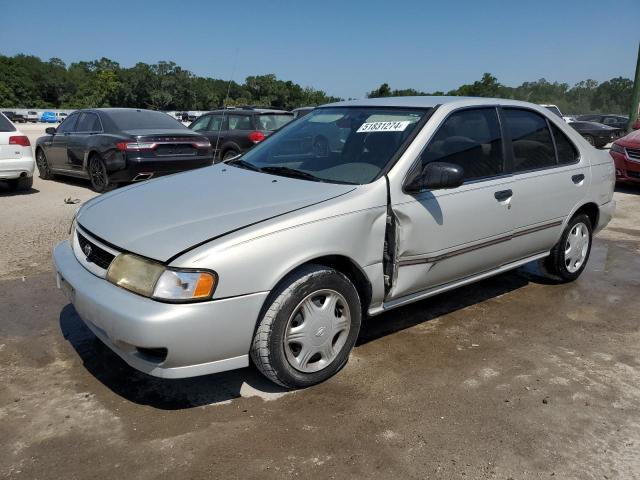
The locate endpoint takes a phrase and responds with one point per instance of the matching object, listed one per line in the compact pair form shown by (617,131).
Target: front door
(88,124)
(57,151)
(447,235)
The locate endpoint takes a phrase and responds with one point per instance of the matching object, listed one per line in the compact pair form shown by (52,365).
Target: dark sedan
(110,146)
(615,121)
(596,134)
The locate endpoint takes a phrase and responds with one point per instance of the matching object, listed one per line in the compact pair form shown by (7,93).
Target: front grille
(96,255)
(633,153)
(633,174)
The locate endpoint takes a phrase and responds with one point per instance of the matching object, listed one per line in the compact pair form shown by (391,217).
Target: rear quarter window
(6,125)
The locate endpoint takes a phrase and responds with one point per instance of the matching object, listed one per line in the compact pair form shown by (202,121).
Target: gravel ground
(512,377)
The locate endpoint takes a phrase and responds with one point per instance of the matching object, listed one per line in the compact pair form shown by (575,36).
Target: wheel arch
(591,210)
(341,263)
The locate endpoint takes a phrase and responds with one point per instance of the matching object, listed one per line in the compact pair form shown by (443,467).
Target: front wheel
(590,139)
(310,325)
(98,175)
(569,256)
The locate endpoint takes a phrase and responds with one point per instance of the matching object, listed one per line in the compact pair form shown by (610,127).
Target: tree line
(27,81)
(587,96)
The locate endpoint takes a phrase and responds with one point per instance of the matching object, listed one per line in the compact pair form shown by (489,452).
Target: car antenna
(233,70)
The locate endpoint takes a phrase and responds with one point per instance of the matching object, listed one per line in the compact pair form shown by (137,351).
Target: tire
(229,154)
(566,262)
(98,175)
(44,170)
(590,139)
(294,354)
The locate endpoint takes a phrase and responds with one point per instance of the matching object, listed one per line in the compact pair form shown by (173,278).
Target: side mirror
(436,176)
(50,130)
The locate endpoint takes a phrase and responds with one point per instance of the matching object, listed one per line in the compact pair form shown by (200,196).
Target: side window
(609,121)
(68,125)
(567,152)
(240,122)
(201,124)
(531,138)
(216,123)
(88,122)
(469,138)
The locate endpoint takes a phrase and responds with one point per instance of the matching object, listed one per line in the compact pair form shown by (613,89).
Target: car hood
(631,140)
(163,217)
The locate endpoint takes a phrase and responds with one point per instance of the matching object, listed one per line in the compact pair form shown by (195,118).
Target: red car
(626,155)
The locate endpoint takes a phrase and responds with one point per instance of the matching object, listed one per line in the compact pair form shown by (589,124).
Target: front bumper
(199,338)
(16,168)
(627,171)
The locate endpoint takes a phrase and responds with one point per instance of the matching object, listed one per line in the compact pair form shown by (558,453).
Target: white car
(16,159)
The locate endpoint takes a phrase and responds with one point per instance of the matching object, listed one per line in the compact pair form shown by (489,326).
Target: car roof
(428,102)
(249,111)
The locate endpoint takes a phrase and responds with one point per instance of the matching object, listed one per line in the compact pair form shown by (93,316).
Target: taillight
(134,146)
(256,137)
(201,144)
(21,140)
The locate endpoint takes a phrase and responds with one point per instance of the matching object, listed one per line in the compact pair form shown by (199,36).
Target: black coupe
(118,145)
(596,134)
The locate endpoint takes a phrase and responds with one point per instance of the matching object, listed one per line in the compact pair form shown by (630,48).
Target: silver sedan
(356,208)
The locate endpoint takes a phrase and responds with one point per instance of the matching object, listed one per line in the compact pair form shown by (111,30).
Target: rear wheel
(22,183)
(229,154)
(43,165)
(310,326)
(98,175)
(569,256)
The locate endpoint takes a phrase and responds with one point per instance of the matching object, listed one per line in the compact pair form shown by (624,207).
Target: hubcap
(576,248)
(317,330)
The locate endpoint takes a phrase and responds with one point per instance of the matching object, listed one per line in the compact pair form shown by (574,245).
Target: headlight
(618,149)
(152,279)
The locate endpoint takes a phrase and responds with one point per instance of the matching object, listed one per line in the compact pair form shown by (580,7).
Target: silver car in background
(357,208)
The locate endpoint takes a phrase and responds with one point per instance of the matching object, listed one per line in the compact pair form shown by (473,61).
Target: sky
(345,48)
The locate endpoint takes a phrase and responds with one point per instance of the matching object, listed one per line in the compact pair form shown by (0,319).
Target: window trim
(505,161)
(548,122)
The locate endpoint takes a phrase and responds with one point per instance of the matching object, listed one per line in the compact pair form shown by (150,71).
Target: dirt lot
(509,378)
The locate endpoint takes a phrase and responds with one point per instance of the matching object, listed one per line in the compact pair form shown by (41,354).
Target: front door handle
(577,178)
(503,195)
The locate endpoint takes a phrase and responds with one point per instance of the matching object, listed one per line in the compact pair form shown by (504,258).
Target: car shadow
(6,191)
(431,308)
(164,394)
(630,189)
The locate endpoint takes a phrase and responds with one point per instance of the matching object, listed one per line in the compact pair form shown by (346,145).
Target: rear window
(143,120)
(273,121)
(6,125)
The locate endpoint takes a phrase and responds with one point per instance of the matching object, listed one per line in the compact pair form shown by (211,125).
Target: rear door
(57,151)
(87,126)
(447,235)
(549,179)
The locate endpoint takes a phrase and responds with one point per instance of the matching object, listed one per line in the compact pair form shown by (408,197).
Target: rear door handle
(577,178)
(503,195)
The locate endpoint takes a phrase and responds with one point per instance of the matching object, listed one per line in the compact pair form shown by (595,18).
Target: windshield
(5,125)
(273,121)
(341,145)
(130,119)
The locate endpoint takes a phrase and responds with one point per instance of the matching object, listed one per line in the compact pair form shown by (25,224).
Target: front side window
(471,139)
(201,124)
(68,124)
(531,139)
(240,122)
(341,144)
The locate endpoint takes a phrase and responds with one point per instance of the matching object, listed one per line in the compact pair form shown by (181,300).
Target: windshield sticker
(383,127)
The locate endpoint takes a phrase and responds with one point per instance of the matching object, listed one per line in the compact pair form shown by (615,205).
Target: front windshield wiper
(238,162)
(291,172)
